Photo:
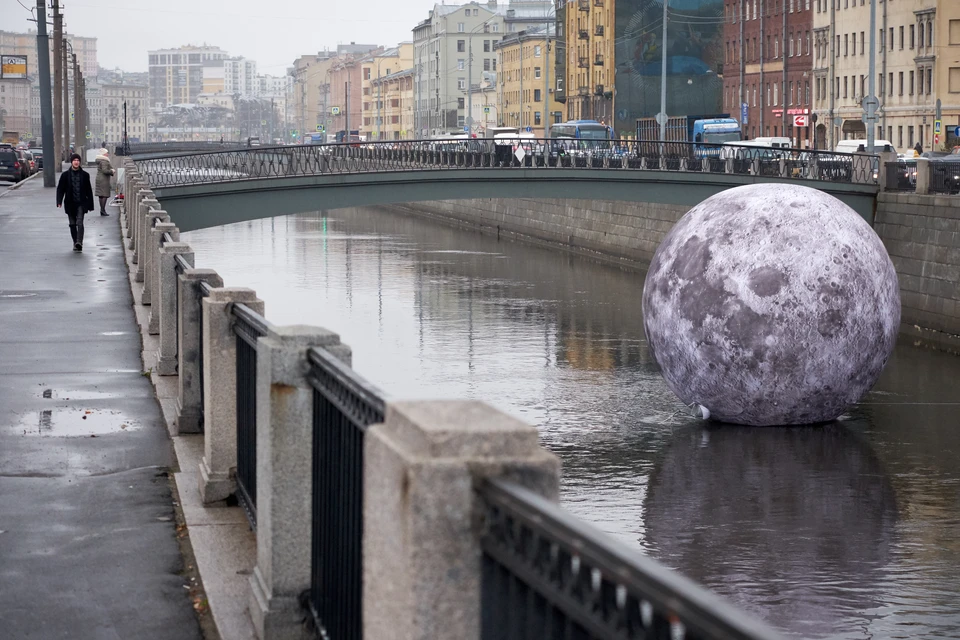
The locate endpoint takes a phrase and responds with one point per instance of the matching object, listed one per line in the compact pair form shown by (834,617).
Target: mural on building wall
(694,53)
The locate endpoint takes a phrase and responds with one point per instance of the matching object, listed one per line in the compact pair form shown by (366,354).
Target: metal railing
(944,176)
(547,574)
(900,176)
(137,148)
(480,154)
(344,405)
(248,325)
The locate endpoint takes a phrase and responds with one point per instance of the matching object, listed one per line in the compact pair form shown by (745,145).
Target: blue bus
(582,130)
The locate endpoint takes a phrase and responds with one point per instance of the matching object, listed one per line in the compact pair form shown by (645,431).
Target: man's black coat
(65,192)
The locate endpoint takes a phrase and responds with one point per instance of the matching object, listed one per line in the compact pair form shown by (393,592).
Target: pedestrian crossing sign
(319,128)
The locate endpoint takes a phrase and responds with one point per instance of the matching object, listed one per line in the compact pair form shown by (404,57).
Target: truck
(11,138)
(701,135)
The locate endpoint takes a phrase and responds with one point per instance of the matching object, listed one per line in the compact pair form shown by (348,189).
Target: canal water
(850,530)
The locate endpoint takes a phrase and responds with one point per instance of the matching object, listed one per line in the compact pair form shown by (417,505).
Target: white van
(851,146)
(776,143)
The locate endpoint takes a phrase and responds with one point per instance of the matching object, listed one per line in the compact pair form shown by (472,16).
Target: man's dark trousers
(76,224)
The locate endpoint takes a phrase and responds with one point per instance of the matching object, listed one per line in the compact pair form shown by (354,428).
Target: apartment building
(524,97)
(239,76)
(917,67)
(25,44)
(395,92)
(114,97)
(454,48)
(311,81)
(177,75)
(373,69)
(768,68)
(590,59)
(15,106)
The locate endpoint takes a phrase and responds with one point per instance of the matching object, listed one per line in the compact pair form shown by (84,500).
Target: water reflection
(794,524)
(849,531)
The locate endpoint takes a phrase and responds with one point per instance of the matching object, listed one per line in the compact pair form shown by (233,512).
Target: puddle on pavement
(114,333)
(59,394)
(75,422)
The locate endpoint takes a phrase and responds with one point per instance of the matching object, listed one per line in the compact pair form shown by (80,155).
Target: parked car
(10,164)
(31,162)
(38,157)
(23,164)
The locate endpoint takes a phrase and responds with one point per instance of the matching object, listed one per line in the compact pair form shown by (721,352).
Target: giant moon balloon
(771,304)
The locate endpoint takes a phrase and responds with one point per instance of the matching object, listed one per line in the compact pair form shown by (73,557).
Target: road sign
(870,103)
(466,129)
(937,127)
(529,129)
(319,128)
(88,135)
(71,115)
(486,109)
(335,111)
(801,121)
(744,111)
(661,118)
(936,139)
(263,123)
(956,132)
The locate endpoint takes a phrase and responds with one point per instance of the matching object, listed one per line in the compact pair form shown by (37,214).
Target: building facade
(589,54)
(396,91)
(307,103)
(25,44)
(768,68)
(525,97)
(114,97)
(917,66)
(176,75)
(15,106)
(240,77)
(373,69)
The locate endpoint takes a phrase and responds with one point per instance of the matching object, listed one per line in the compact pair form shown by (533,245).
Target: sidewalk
(88,545)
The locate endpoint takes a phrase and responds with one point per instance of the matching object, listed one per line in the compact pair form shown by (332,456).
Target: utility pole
(742,70)
(832,77)
(77,109)
(662,116)
(546,88)
(65,83)
(470,84)
(46,117)
(783,88)
(871,103)
(57,156)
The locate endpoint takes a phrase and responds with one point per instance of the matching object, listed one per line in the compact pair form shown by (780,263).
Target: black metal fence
(944,176)
(248,325)
(137,148)
(900,176)
(548,575)
(421,155)
(344,405)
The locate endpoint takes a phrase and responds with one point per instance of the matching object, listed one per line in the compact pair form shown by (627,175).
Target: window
(493,64)
(882,42)
(919,82)
(954,34)
(954,80)
(776,97)
(844,86)
(838,47)
(880,86)
(890,85)
(461,64)
(461,46)
(536,51)
(862,40)
(536,118)
(846,43)
(459,103)
(901,83)
(791,92)
(901,38)
(922,30)
(912,36)
(486,64)
(460,28)
(486,46)
(476,12)
(536,95)
(911,83)
(495,28)
(929,80)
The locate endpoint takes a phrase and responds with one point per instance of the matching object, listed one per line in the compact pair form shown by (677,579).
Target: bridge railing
(140,148)
(499,153)
(379,518)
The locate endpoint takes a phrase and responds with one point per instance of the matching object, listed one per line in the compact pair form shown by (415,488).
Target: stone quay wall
(921,233)
(922,236)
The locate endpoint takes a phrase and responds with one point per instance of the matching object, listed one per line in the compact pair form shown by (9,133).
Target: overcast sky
(269,31)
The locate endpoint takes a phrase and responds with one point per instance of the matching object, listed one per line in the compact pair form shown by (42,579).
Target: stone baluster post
(189,418)
(923,177)
(142,195)
(219,464)
(158,224)
(284,474)
(145,222)
(164,308)
(421,549)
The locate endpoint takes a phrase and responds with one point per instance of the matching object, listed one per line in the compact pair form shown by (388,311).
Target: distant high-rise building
(25,44)
(239,76)
(176,75)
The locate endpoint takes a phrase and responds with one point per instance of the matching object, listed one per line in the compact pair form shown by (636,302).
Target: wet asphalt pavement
(87,534)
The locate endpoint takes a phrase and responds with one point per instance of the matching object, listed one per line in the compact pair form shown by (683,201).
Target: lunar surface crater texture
(771,304)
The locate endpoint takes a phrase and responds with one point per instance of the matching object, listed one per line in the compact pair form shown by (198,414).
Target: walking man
(104,171)
(75,194)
